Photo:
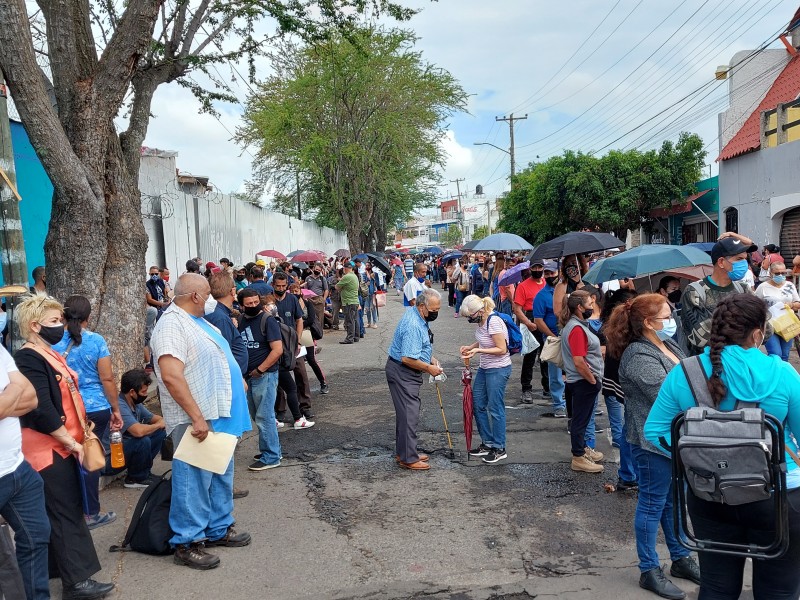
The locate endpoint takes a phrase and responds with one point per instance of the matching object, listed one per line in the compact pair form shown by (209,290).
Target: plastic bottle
(117,455)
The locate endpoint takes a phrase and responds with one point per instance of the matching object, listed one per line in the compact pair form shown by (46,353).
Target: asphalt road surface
(339,520)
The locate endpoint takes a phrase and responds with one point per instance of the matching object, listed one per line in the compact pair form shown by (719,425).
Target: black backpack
(289,340)
(149,531)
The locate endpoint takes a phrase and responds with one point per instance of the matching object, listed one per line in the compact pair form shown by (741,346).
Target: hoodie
(750,376)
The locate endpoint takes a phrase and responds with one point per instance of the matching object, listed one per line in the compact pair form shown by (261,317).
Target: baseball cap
(210,265)
(349,264)
(537,262)
(261,263)
(730,247)
(550,265)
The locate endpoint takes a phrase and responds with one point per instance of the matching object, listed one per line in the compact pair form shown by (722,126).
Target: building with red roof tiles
(759,160)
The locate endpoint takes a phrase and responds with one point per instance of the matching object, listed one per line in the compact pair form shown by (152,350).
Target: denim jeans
(654,507)
(459,299)
(202,503)
(261,395)
(589,436)
(488,405)
(778,346)
(556,378)
(371,309)
(360,326)
(22,505)
(616,420)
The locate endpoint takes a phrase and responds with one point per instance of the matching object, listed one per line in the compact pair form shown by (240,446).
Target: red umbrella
(308,256)
(271,254)
(466,379)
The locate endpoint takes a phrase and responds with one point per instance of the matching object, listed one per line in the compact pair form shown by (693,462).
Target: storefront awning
(684,206)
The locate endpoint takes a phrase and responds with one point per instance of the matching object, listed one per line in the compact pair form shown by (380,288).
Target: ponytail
(76,310)
(570,304)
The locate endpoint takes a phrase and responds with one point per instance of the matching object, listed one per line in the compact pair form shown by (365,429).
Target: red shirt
(578,342)
(526,292)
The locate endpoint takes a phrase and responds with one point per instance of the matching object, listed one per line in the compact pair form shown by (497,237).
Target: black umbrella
(469,245)
(379,261)
(575,242)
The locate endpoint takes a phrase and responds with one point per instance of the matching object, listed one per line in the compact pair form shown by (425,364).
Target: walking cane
(450,454)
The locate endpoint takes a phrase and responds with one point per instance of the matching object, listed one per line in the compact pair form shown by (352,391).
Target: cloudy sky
(590,74)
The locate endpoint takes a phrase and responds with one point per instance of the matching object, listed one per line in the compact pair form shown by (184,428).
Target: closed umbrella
(575,242)
(643,260)
(307,256)
(466,380)
(514,274)
(508,242)
(271,254)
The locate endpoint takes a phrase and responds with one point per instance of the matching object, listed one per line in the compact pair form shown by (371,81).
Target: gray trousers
(351,322)
(404,384)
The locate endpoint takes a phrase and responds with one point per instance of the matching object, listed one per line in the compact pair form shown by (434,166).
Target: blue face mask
(3,320)
(669,329)
(779,279)
(421,279)
(739,270)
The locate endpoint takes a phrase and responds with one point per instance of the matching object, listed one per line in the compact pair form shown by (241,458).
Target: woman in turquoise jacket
(738,370)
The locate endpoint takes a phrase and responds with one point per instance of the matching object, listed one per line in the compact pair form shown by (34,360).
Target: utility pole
(510,119)
(297,181)
(489,217)
(460,213)
(12,246)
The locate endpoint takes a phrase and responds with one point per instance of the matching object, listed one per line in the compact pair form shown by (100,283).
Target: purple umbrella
(514,274)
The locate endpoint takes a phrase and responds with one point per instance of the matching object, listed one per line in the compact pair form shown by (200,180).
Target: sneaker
(598,412)
(686,568)
(546,394)
(136,484)
(627,486)
(455,315)
(262,466)
(100,519)
(594,455)
(599,430)
(495,455)
(308,415)
(584,465)
(655,581)
(527,397)
(480,451)
(303,423)
(560,413)
(323,389)
(279,424)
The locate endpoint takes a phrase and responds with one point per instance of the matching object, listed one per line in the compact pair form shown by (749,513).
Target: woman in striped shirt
(489,385)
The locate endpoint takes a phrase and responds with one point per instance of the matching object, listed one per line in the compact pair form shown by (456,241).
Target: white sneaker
(303,423)
(279,424)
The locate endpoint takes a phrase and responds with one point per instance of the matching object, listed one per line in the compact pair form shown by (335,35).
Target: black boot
(89,589)
(655,581)
(686,568)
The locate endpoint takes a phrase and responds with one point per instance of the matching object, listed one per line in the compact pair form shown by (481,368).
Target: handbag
(551,352)
(462,287)
(380,299)
(786,324)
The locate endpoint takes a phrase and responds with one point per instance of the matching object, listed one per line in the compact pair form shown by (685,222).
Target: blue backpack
(477,281)
(514,333)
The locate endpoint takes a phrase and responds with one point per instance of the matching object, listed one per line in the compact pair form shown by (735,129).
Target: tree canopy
(612,193)
(357,120)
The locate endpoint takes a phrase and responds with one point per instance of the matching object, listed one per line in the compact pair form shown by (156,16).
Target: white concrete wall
(219,226)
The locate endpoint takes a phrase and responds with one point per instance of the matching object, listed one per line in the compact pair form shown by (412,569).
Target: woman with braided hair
(739,371)
(639,335)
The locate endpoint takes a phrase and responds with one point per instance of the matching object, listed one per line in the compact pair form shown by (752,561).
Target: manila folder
(212,454)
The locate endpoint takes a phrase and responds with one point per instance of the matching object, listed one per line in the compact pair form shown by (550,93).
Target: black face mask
(572,272)
(537,274)
(432,314)
(551,281)
(586,313)
(475,319)
(240,278)
(674,297)
(317,273)
(52,335)
(280,293)
(252,311)
(139,399)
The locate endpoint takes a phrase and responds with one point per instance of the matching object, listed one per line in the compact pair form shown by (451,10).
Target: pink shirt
(483,334)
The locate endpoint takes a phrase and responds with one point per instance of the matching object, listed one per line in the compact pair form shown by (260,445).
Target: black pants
(543,370)
(584,396)
(72,554)
(311,359)
(287,394)
(721,576)
(451,294)
(91,481)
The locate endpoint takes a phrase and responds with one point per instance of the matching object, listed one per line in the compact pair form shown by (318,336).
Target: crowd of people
(229,347)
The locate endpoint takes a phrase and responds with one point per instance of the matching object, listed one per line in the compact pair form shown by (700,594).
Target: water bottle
(117,455)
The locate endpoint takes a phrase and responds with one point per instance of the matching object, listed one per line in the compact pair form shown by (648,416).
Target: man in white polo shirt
(415,285)
(21,488)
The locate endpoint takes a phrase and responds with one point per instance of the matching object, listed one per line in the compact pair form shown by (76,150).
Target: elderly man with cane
(411,355)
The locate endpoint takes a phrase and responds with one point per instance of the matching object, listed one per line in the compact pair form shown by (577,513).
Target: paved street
(341,521)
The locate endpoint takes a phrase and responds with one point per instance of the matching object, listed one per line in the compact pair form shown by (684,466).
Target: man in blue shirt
(223,291)
(544,317)
(411,355)
(258,283)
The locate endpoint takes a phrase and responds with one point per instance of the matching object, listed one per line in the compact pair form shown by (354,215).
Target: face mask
(739,270)
(763,339)
(779,279)
(154,277)
(139,399)
(537,274)
(280,293)
(432,314)
(474,319)
(317,272)
(3,321)
(674,297)
(165,278)
(586,313)
(551,281)
(252,311)
(572,272)
(52,335)
(239,278)
(668,330)
(421,279)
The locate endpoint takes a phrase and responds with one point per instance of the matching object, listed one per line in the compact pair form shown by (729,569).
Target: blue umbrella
(502,241)
(451,255)
(704,246)
(433,250)
(362,257)
(514,274)
(644,260)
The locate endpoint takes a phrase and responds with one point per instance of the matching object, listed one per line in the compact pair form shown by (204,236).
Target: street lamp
(510,154)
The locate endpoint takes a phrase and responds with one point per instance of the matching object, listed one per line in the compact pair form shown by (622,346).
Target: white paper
(302,352)
(212,454)
(776,310)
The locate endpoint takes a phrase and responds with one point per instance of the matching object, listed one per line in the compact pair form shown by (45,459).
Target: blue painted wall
(37,196)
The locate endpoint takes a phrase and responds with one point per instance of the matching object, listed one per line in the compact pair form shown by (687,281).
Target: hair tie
(716,371)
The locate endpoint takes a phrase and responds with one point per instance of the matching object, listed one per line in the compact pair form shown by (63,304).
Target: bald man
(202,390)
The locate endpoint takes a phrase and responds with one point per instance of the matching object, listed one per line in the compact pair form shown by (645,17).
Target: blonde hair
(32,310)
(472,304)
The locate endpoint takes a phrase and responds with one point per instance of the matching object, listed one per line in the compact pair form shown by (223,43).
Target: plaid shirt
(205,367)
